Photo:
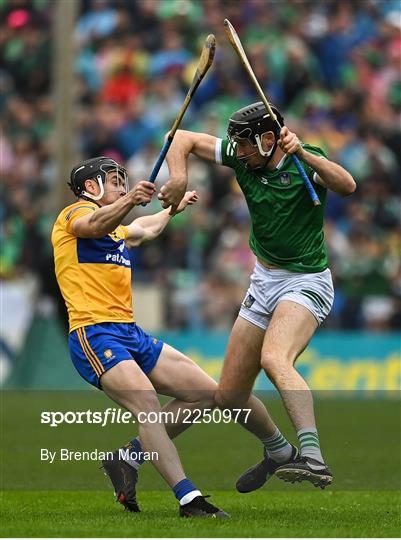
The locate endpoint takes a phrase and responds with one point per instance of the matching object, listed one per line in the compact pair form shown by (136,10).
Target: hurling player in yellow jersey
(108,349)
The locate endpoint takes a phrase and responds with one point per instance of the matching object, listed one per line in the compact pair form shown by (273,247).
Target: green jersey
(286,229)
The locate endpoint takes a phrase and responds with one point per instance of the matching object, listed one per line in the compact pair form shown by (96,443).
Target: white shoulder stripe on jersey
(217,151)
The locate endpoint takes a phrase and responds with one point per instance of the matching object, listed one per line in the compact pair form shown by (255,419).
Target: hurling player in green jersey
(291,290)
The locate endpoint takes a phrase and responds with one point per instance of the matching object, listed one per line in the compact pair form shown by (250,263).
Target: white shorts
(271,286)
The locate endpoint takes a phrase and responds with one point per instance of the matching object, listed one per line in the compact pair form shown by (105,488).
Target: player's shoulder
(78,205)
(66,213)
(226,154)
(228,148)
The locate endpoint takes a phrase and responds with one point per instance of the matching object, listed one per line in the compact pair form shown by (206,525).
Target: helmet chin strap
(267,154)
(101,187)
(263,152)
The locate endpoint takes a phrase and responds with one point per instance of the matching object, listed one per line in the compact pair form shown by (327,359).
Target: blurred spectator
(98,21)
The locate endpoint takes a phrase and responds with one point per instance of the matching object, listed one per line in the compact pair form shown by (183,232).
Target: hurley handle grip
(159,161)
(307,182)
(300,168)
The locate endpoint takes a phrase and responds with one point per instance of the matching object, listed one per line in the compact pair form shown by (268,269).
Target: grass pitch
(261,514)
(360,439)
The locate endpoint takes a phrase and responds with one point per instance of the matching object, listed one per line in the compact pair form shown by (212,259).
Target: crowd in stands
(333,68)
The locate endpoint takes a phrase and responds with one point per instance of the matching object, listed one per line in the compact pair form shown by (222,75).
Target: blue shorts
(96,348)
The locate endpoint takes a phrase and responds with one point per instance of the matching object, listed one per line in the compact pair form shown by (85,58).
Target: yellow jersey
(94,274)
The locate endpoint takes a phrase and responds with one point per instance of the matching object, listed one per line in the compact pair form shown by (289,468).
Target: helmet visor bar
(236,135)
(120,174)
(243,136)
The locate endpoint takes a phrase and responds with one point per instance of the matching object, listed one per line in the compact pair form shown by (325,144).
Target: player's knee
(227,399)
(275,365)
(148,402)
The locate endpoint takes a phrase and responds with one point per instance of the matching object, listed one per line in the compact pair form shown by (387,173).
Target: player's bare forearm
(147,228)
(104,220)
(155,220)
(107,218)
(177,156)
(173,191)
(331,175)
(184,143)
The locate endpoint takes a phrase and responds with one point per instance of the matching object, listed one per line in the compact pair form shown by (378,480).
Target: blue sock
(185,491)
(134,457)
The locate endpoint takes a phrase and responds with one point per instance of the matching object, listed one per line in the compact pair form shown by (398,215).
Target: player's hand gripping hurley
(236,43)
(205,61)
